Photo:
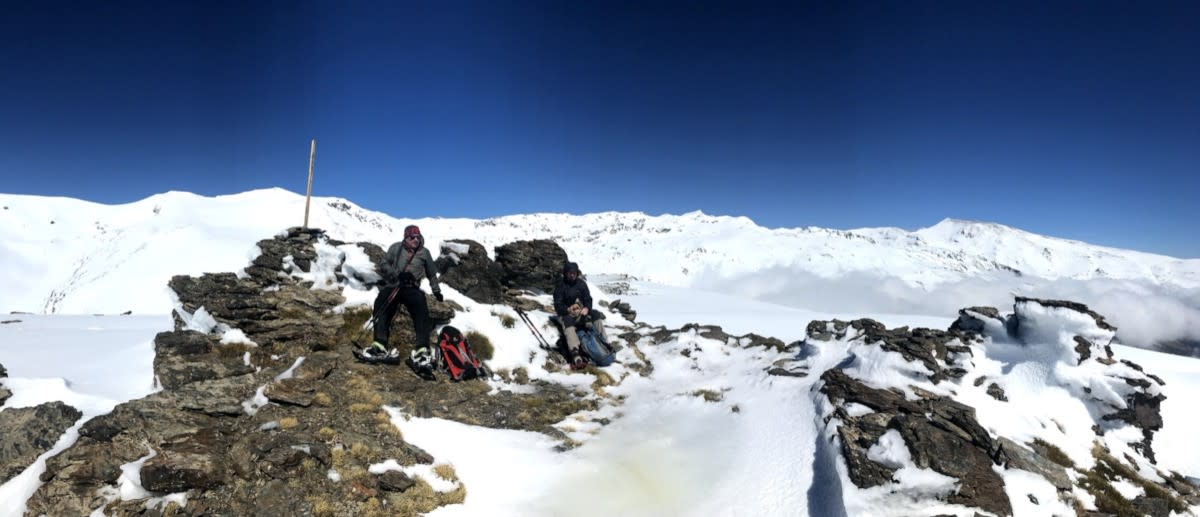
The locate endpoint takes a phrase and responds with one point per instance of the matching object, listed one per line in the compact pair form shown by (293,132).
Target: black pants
(413,300)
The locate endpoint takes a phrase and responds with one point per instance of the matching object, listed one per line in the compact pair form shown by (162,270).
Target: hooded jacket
(421,265)
(565,295)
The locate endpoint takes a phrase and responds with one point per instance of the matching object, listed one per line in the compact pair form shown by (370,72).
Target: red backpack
(458,359)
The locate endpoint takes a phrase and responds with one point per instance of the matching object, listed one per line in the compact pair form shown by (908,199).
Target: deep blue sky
(1079,119)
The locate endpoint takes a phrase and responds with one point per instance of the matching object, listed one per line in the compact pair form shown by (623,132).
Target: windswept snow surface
(113,258)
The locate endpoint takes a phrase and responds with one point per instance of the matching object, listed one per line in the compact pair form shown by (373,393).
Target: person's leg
(418,308)
(572,339)
(384,312)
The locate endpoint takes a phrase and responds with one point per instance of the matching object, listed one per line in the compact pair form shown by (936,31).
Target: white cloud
(1145,313)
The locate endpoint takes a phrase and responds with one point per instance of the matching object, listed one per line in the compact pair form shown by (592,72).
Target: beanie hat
(411,230)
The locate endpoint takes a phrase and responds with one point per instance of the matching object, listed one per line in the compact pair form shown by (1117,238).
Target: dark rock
(535,265)
(1152,506)
(7,322)
(28,432)
(395,481)
(1144,412)
(374,252)
(1083,347)
(946,452)
(180,470)
(949,440)
(624,310)
(184,342)
(858,435)
(473,274)
(1015,456)
(296,242)
(995,391)
(971,319)
(3,372)
(4,395)
(1077,307)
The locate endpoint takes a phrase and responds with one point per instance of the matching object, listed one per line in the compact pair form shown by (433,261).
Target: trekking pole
(533,328)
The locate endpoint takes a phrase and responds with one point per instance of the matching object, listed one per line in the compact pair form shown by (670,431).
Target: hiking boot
(376,350)
(422,358)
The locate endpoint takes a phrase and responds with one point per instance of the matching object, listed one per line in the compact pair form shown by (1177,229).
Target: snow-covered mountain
(65,255)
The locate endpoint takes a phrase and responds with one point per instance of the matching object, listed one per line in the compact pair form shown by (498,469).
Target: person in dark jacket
(573,304)
(405,265)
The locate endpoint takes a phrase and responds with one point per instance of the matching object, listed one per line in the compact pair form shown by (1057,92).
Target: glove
(439,297)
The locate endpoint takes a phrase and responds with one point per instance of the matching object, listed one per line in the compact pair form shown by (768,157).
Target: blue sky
(1078,119)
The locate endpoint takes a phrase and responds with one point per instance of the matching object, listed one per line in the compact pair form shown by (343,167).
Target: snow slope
(68,256)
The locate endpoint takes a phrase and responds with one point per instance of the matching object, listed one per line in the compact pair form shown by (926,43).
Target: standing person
(573,304)
(404,266)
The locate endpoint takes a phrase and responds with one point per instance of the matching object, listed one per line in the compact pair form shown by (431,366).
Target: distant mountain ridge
(71,256)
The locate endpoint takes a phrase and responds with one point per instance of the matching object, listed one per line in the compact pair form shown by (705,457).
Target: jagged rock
(472,272)
(1152,506)
(291,391)
(941,352)
(183,357)
(940,433)
(534,265)
(3,372)
(395,481)
(28,432)
(1063,304)
(995,391)
(295,242)
(184,465)
(971,319)
(290,313)
(1014,456)
(624,309)
(374,252)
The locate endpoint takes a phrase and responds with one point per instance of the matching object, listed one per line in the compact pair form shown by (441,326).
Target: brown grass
(322,399)
(327,434)
(445,471)
(288,422)
(359,408)
(481,345)
(321,507)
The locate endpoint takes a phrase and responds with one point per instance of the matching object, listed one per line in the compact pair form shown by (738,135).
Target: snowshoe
(370,356)
(423,371)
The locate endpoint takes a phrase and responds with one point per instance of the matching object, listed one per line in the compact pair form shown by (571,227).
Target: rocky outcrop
(249,429)
(940,433)
(533,265)
(944,354)
(28,432)
(464,265)
(623,309)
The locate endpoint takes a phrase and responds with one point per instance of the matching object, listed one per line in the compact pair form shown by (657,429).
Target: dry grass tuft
(507,321)
(481,345)
(321,507)
(361,451)
(322,399)
(709,395)
(445,471)
(419,499)
(359,408)
(288,422)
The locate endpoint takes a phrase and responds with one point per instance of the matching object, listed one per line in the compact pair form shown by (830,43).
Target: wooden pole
(312,155)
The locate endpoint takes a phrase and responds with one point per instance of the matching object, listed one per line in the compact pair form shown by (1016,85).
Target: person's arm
(389,263)
(431,273)
(585,298)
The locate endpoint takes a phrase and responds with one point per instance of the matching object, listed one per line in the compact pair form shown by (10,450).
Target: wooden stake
(312,155)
